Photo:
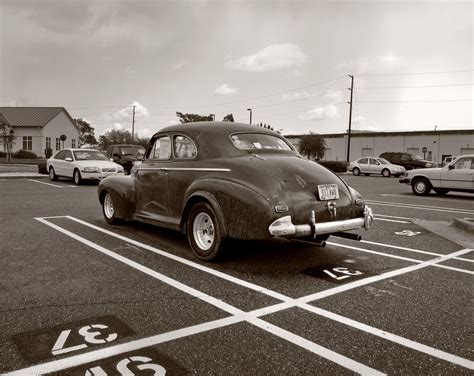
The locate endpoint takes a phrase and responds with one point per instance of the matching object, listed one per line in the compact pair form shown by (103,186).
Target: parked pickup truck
(126,155)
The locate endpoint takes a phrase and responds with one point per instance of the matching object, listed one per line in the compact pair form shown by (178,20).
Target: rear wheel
(204,232)
(108,209)
(356,171)
(421,186)
(52,174)
(386,173)
(77,177)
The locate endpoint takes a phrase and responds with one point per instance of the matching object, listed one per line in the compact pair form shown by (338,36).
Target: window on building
(58,144)
(48,142)
(27,143)
(73,143)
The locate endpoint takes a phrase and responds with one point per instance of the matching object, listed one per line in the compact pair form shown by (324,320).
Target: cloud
(224,89)
(271,58)
(321,113)
(179,65)
(369,64)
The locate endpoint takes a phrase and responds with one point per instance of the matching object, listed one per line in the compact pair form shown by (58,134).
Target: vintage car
(456,176)
(81,164)
(373,165)
(219,180)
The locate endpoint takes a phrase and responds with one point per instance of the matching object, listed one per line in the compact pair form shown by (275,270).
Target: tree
(229,117)
(86,132)
(7,136)
(312,146)
(266,126)
(120,136)
(191,118)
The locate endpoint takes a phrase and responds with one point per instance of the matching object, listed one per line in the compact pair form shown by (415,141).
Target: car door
(364,165)
(58,163)
(68,168)
(459,175)
(151,182)
(373,166)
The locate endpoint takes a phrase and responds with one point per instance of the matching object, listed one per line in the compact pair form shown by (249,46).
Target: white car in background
(81,164)
(375,165)
(456,176)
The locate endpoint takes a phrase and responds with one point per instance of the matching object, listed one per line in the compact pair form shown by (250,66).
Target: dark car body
(250,182)
(407,160)
(125,155)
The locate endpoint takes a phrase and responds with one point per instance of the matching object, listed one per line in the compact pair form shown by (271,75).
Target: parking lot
(82,297)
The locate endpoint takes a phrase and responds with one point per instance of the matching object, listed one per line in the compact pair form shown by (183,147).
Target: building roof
(32,116)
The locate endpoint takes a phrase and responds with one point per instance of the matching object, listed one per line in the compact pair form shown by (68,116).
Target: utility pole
(249,109)
(350,120)
(133,123)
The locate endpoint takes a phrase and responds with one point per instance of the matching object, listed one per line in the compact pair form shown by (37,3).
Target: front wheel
(52,174)
(421,187)
(356,171)
(204,232)
(108,209)
(386,173)
(77,177)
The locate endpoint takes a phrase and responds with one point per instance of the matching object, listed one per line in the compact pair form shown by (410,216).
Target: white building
(438,144)
(38,128)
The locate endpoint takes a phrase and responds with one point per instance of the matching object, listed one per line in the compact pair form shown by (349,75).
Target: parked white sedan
(81,164)
(373,165)
(456,176)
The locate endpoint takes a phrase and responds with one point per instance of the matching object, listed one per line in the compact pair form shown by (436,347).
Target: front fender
(122,190)
(247,214)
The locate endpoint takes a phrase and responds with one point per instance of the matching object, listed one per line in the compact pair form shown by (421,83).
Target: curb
(466,224)
(23,175)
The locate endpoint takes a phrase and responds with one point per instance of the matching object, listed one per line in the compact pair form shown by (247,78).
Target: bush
(42,168)
(334,166)
(48,152)
(24,154)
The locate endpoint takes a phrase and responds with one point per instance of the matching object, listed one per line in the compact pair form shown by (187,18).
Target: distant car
(373,165)
(407,160)
(448,160)
(81,164)
(214,181)
(456,176)
(126,155)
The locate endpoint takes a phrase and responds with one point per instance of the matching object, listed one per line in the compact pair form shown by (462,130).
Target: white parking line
(52,185)
(437,198)
(240,315)
(389,220)
(302,302)
(394,216)
(421,207)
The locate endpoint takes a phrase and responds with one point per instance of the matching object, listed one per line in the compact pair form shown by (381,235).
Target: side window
(60,155)
(363,161)
(404,157)
(184,148)
(68,154)
(374,161)
(161,149)
(115,150)
(464,163)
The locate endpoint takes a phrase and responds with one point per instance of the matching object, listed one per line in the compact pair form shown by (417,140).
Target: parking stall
(130,300)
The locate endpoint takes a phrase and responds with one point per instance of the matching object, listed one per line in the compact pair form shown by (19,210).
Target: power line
(429,101)
(307,109)
(414,73)
(412,87)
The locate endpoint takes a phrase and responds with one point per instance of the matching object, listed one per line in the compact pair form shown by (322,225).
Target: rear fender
(246,213)
(122,190)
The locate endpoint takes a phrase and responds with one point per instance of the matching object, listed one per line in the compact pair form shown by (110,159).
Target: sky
(290,62)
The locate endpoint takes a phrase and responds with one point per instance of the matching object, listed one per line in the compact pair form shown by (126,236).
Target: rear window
(90,155)
(253,141)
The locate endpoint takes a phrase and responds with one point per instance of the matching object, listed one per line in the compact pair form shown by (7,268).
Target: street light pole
(133,123)
(249,109)
(350,120)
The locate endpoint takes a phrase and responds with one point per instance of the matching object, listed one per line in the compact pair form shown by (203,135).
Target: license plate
(328,192)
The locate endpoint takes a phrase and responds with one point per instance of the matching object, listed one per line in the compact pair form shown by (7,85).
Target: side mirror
(68,159)
(451,167)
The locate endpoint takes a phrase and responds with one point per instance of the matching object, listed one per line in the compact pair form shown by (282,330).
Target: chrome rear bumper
(285,228)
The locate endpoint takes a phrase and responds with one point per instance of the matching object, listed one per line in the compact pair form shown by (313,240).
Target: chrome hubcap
(420,186)
(51,174)
(203,231)
(108,206)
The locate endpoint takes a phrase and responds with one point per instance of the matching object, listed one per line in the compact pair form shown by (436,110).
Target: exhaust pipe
(347,235)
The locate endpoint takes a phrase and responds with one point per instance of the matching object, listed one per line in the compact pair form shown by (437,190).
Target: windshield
(383,161)
(133,150)
(90,155)
(253,141)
